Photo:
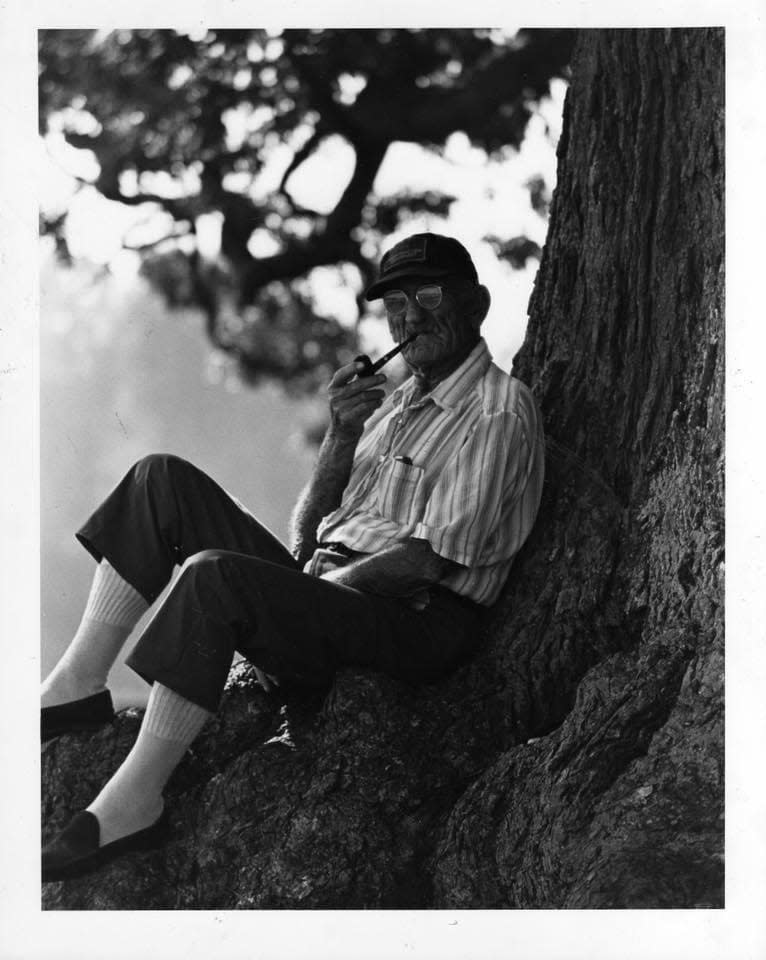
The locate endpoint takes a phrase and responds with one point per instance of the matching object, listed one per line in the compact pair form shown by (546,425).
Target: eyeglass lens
(429,297)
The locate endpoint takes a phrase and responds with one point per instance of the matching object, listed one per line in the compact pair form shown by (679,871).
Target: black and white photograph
(386,517)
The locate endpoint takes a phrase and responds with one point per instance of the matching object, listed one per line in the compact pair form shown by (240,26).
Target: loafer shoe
(75,851)
(86,714)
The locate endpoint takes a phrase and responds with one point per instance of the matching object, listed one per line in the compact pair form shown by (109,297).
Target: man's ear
(479,308)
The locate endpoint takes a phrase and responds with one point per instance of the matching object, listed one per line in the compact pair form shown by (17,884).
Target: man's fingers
(353,401)
(343,374)
(347,403)
(352,387)
(346,373)
(419,600)
(346,395)
(357,411)
(343,399)
(352,414)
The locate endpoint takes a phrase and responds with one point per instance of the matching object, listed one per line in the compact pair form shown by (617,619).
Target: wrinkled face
(446,334)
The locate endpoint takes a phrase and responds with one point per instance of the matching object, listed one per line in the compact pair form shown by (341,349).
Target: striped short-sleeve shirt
(461,467)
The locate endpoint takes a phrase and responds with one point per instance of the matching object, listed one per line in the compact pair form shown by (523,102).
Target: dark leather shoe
(75,851)
(86,714)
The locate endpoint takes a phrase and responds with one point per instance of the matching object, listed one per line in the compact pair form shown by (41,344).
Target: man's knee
(160,476)
(207,560)
(214,568)
(208,582)
(159,464)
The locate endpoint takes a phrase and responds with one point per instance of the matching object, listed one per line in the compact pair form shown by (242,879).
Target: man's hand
(353,401)
(420,600)
(404,570)
(348,576)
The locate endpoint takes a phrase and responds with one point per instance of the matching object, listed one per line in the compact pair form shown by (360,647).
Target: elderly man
(415,510)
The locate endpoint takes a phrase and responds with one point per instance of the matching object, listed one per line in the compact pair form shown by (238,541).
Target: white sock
(113,609)
(132,799)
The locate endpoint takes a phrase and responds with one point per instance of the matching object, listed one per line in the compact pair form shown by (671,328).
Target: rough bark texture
(577,761)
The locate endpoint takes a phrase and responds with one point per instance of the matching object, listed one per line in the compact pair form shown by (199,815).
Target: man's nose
(415,314)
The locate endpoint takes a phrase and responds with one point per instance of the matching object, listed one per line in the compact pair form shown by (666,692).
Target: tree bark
(577,760)
(611,634)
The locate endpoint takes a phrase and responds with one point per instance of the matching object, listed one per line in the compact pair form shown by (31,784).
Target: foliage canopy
(156,108)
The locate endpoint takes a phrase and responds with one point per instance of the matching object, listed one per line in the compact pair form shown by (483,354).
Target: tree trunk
(577,761)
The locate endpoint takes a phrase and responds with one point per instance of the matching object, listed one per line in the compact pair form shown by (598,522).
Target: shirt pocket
(398,484)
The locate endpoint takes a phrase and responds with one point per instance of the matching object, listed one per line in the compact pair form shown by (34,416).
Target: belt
(340,548)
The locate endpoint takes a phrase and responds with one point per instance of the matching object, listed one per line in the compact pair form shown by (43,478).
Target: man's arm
(352,402)
(404,569)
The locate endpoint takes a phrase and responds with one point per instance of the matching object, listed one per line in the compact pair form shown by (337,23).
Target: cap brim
(378,288)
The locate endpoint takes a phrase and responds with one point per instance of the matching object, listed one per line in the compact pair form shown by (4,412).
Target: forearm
(353,398)
(323,492)
(401,570)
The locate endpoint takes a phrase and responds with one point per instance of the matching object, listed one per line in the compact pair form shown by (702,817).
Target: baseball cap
(423,255)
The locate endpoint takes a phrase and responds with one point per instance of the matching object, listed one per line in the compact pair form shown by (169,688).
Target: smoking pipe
(370,367)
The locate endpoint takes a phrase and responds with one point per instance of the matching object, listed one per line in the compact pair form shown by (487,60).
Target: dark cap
(423,255)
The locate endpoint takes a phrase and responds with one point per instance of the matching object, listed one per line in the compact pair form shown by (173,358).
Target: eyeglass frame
(416,295)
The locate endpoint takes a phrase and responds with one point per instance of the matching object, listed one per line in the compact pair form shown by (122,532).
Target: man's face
(445,333)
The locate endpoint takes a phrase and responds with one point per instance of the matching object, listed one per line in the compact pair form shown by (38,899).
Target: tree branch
(469,104)
(332,244)
(150,245)
(301,156)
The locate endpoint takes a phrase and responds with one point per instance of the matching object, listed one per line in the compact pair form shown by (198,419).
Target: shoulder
(500,393)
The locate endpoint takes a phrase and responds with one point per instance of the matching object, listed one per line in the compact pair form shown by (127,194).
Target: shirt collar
(451,392)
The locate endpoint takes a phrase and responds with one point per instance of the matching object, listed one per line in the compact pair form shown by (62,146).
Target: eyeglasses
(429,296)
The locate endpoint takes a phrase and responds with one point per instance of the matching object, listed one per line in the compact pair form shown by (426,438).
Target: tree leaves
(211,112)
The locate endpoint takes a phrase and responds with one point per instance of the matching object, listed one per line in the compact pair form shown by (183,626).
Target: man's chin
(416,358)
(420,365)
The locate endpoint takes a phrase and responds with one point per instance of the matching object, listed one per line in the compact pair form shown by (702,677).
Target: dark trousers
(241,590)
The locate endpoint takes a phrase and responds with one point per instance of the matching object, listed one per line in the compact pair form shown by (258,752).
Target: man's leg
(288,623)
(163,511)
(112,610)
(132,799)
(128,810)
(298,627)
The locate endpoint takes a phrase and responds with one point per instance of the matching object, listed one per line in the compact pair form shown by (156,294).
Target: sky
(120,378)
